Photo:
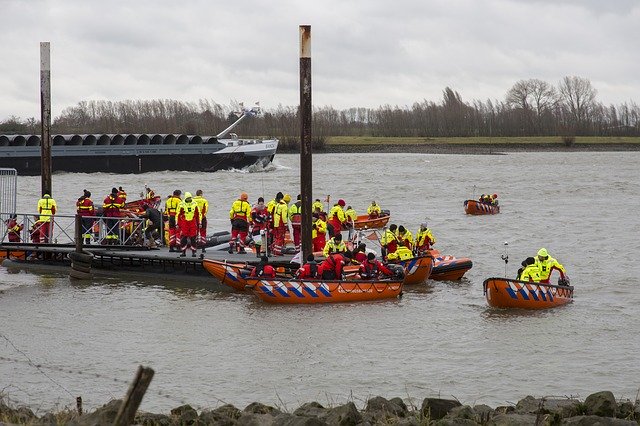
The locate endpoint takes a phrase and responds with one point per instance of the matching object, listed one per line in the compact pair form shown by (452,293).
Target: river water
(209,346)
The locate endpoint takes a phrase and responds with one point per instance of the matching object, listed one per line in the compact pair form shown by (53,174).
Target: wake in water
(259,168)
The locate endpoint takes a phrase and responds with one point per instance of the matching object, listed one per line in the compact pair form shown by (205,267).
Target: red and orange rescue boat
(507,293)
(477,208)
(323,291)
(417,270)
(137,206)
(232,274)
(449,268)
(363,222)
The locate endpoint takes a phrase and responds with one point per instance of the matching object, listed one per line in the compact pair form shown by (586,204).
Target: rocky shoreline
(600,408)
(471,148)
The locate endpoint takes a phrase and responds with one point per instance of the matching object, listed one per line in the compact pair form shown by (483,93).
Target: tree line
(530,108)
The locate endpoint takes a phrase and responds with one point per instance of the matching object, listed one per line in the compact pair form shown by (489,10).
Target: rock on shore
(597,409)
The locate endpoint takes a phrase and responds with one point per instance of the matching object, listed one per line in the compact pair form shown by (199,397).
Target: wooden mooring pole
(45,117)
(306,175)
(127,412)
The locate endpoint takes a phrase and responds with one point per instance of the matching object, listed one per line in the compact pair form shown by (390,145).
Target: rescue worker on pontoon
(122,194)
(271,207)
(546,264)
(203,209)
(188,221)
(317,204)
(259,226)
(111,210)
(529,271)
(47,209)
(351,216)
(401,253)
(240,217)
(424,239)
(295,217)
(374,210)
(371,268)
(308,270)
(318,232)
(336,218)
(280,225)
(389,241)
(13,228)
(85,208)
(334,245)
(405,237)
(171,210)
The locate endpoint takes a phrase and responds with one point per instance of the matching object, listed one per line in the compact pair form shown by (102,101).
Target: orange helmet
(495,195)
(244,196)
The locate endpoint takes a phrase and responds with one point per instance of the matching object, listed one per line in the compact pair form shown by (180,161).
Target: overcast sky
(364,53)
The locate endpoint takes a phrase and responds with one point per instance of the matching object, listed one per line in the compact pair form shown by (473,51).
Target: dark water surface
(208,346)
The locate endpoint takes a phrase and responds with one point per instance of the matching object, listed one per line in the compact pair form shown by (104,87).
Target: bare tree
(578,97)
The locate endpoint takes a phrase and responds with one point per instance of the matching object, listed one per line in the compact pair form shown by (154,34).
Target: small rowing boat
(477,208)
(507,293)
(449,268)
(323,291)
(364,222)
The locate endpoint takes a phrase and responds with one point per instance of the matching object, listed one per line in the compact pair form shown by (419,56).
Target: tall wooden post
(45,116)
(306,179)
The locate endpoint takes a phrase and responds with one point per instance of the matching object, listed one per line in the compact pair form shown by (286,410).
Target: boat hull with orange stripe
(477,208)
(507,293)
(232,274)
(449,268)
(417,270)
(324,291)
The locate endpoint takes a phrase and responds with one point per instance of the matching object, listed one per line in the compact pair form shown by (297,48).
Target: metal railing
(60,229)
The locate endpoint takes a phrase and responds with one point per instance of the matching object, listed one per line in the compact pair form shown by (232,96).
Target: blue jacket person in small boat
(546,264)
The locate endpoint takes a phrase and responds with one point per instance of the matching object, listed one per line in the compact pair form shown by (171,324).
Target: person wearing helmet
(240,217)
(424,239)
(171,210)
(546,264)
(405,237)
(280,225)
(494,199)
(336,218)
(188,221)
(374,210)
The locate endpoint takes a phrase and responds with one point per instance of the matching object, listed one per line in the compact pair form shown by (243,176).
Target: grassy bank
(527,140)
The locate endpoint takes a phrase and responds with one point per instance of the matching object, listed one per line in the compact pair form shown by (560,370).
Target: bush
(568,140)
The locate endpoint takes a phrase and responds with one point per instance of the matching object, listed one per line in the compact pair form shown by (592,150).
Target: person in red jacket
(188,221)
(13,228)
(263,269)
(372,268)
(85,208)
(259,226)
(331,267)
(111,210)
(308,270)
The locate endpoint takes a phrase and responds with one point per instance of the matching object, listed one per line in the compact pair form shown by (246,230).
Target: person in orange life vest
(331,267)
(263,269)
(85,208)
(203,209)
(295,217)
(318,232)
(171,210)
(240,216)
(308,270)
(47,208)
(188,221)
(280,225)
(122,194)
(372,268)
(389,241)
(336,218)
(360,253)
(111,209)
(260,224)
(13,229)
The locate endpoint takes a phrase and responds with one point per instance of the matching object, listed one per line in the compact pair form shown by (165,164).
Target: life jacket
(203,205)
(188,210)
(260,219)
(85,207)
(46,208)
(280,215)
(240,209)
(295,214)
(172,205)
(401,253)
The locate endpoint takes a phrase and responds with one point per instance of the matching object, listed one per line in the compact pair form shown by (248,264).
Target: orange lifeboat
(417,270)
(232,274)
(477,208)
(507,293)
(323,291)
(448,268)
(364,222)
(136,206)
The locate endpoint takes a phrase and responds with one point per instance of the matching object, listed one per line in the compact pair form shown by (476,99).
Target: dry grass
(370,140)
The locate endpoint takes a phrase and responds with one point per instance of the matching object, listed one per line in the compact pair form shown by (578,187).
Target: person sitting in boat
(371,268)
(351,216)
(336,218)
(308,270)
(13,228)
(424,238)
(334,245)
(359,254)
(331,267)
(373,210)
(318,232)
(546,264)
(149,194)
(263,269)
(404,237)
(317,204)
(494,199)
(529,271)
(389,241)
(401,253)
